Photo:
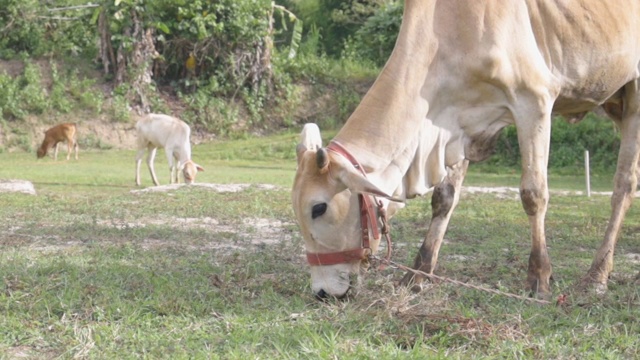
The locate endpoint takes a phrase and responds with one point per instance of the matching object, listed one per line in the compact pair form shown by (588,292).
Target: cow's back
(61,132)
(158,128)
(582,51)
(591,47)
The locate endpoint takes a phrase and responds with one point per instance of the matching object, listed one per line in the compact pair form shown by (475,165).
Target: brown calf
(55,135)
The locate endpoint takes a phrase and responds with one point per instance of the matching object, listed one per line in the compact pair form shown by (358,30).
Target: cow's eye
(318,210)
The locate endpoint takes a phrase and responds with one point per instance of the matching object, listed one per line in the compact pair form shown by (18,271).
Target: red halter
(367,217)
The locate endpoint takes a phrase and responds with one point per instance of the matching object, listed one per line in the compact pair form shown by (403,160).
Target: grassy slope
(90,270)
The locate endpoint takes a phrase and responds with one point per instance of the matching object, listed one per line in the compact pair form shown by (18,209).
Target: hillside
(101,129)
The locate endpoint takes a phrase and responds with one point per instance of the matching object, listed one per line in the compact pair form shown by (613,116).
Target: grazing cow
(461,70)
(173,134)
(54,136)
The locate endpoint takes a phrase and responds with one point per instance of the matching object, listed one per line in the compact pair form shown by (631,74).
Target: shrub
(28,27)
(375,40)
(568,142)
(210,112)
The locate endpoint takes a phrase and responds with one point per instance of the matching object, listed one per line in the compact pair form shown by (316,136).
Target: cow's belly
(578,100)
(567,106)
(585,86)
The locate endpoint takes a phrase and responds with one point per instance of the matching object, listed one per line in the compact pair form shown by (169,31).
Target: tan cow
(460,72)
(54,136)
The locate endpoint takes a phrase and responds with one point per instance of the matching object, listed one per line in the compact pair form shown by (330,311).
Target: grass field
(92,268)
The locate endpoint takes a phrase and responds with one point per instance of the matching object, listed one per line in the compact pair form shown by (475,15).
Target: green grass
(89,269)
(483,175)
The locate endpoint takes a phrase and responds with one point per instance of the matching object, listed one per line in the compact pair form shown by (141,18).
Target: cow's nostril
(321,295)
(324,296)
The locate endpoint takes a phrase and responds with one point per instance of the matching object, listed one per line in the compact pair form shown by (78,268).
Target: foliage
(20,28)
(336,20)
(120,106)
(234,65)
(93,141)
(237,52)
(568,142)
(36,28)
(210,112)
(10,98)
(377,36)
(225,45)
(33,95)
(27,92)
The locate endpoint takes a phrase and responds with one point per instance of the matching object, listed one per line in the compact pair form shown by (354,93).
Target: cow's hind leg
(139,156)
(75,147)
(69,148)
(625,182)
(150,158)
(443,201)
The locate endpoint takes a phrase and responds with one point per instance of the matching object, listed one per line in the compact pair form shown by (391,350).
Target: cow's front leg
(534,133)
(443,201)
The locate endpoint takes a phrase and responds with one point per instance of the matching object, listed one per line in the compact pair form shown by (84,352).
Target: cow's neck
(183,153)
(382,131)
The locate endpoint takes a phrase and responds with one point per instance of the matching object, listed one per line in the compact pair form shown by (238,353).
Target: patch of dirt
(117,135)
(222,188)
(12,67)
(95,131)
(254,231)
(21,186)
(633,258)
(92,131)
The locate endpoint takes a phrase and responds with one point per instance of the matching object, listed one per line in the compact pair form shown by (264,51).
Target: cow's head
(189,171)
(325,202)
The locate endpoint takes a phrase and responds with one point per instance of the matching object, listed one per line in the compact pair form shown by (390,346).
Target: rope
(395,265)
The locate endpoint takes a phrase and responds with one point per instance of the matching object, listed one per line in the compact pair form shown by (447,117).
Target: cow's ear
(346,173)
(322,160)
(310,139)
(310,136)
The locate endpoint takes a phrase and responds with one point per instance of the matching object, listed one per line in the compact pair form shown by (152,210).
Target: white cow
(462,70)
(172,134)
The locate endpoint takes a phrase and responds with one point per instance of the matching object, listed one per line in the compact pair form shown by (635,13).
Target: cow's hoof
(542,295)
(593,288)
(413,282)
(594,283)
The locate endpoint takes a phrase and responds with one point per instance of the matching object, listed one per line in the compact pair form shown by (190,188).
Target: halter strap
(368,220)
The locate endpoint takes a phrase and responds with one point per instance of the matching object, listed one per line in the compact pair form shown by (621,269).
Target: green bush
(58,96)
(120,109)
(376,38)
(335,20)
(210,111)
(28,93)
(568,142)
(29,27)
(10,103)
(93,141)
(22,31)
(34,97)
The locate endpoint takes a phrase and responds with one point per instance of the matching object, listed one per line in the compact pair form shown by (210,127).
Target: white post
(586,172)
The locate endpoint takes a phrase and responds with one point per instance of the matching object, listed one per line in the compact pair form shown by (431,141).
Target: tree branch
(77,7)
